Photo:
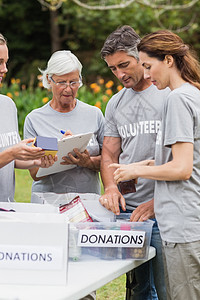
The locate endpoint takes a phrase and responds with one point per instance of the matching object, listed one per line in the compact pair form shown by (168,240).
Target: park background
(36,28)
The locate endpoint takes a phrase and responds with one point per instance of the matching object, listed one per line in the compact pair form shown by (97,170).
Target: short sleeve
(110,124)
(101,124)
(29,131)
(179,125)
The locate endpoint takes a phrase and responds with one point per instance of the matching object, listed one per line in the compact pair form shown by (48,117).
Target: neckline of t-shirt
(143,91)
(176,90)
(64,113)
(185,83)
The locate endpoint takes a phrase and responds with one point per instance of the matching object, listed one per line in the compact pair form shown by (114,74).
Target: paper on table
(66,145)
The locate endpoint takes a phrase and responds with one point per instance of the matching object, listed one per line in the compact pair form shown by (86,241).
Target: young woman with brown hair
(168,62)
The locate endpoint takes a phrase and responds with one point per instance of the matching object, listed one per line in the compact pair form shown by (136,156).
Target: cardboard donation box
(33,246)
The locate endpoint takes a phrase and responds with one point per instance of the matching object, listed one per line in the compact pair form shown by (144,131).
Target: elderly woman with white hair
(65,112)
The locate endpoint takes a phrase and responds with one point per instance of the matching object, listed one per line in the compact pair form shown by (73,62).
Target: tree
(34,32)
(93,20)
(26,28)
(160,7)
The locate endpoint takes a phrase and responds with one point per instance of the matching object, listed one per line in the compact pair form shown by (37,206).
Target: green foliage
(88,29)
(28,28)
(27,99)
(98,93)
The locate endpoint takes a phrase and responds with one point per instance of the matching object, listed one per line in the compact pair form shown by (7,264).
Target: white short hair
(60,63)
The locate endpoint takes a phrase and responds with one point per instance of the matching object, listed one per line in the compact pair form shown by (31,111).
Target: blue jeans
(147,282)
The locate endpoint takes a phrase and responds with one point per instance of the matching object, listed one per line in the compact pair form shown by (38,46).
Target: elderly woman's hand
(67,133)
(81,159)
(46,161)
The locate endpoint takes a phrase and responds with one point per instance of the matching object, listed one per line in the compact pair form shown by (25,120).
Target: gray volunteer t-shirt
(48,122)
(135,118)
(177,203)
(8,137)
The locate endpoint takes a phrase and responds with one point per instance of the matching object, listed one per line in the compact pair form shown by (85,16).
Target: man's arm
(110,154)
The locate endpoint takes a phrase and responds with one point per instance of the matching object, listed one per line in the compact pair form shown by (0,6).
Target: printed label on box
(31,257)
(111,238)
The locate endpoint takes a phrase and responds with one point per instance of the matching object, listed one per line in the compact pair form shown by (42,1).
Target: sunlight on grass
(114,290)
(23,184)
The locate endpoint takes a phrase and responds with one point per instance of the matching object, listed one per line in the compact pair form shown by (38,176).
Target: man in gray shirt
(132,121)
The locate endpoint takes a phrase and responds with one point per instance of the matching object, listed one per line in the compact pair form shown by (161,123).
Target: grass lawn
(115,290)
(23,183)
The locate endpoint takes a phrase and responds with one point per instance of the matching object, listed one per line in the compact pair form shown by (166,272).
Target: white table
(83,278)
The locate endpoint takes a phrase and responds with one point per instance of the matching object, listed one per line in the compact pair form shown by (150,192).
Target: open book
(66,145)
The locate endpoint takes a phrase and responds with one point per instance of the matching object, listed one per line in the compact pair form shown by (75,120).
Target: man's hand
(111,199)
(143,212)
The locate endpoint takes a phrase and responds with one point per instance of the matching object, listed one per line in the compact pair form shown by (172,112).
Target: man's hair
(122,39)
(2,40)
